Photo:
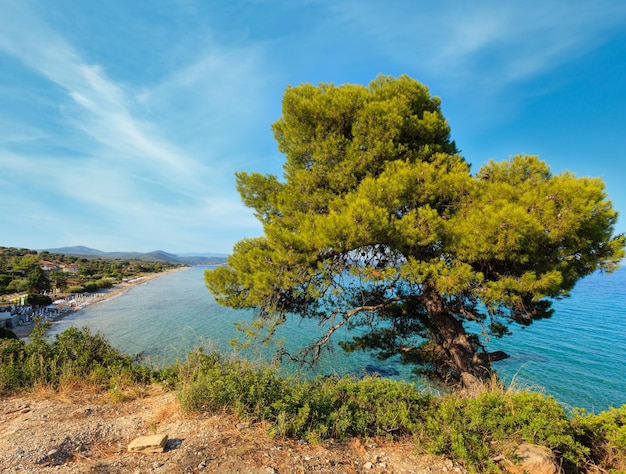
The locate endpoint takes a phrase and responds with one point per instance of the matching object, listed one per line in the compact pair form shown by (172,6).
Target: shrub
(90,286)
(12,357)
(605,434)
(73,355)
(370,406)
(472,431)
(104,283)
(318,409)
(210,383)
(475,430)
(38,300)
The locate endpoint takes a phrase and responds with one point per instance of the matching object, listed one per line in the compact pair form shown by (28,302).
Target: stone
(152,444)
(535,459)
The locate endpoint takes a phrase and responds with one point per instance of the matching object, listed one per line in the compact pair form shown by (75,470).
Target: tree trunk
(465,366)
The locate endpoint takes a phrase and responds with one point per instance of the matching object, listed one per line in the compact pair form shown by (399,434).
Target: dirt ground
(77,432)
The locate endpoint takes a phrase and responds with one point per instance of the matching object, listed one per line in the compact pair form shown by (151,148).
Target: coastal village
(15,312)
(56,286)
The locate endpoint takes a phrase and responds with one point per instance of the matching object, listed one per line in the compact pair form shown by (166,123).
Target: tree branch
(314,350)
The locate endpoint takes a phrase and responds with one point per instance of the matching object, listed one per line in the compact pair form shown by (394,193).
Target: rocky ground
(77,432)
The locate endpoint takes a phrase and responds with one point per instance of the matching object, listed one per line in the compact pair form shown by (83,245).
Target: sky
(122,123)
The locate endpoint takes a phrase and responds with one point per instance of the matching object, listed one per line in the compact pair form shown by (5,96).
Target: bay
(165,318)
(578,355)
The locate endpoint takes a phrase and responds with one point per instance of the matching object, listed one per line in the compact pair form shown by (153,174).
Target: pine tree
(378,223)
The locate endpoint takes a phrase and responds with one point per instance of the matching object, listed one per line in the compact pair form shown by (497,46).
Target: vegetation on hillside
(75,356)
(471,430)
(22,271)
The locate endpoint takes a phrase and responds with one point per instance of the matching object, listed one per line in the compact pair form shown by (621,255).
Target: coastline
(23,332)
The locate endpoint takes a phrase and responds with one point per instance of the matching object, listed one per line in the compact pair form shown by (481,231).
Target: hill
(80,250)
(155,255)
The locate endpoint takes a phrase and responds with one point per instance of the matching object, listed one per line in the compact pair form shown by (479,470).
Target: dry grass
(495,385)
(165,413)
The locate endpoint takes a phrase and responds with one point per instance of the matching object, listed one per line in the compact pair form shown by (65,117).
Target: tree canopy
(378,223)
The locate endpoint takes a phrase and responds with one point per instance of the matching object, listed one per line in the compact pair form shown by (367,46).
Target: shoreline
(100,296)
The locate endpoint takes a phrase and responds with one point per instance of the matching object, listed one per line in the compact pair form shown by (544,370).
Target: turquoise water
(578,355)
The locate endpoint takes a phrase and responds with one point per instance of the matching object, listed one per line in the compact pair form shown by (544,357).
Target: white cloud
(12,133)
(103,110)
(126,174)
(221,98)
(154,154)
(490,43)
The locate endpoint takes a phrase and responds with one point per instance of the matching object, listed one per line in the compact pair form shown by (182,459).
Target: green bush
(104,283)
(605,434)
(322,408)
(367,407)
(38,300)
(472,431)
(75,354)
(210,383)
(12,360)
(17,285)
(475,430)
(90,286)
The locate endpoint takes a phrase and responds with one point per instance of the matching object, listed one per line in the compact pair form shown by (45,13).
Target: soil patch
(68,433)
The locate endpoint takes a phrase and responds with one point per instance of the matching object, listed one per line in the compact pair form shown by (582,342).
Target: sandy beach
(23,332)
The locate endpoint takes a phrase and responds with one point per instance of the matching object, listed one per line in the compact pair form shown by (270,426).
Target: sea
(578,356)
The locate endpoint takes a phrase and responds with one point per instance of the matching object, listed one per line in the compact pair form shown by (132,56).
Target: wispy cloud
(124,168)
(222,98)
(98,105)
(12,134)
(491,43)
(128,119)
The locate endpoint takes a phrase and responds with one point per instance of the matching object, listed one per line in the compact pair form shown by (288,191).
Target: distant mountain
(156,255)
(160,255)
(78,250)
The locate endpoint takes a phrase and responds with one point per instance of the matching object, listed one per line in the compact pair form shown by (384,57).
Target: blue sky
(123,122)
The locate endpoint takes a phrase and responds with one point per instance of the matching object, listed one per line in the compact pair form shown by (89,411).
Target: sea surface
(578,355)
